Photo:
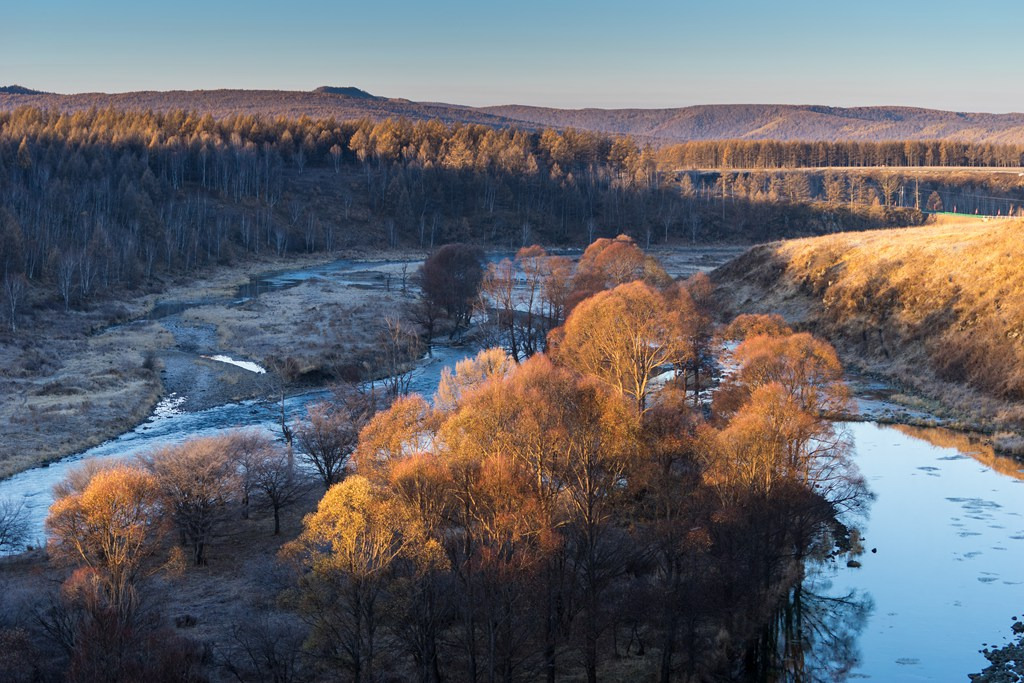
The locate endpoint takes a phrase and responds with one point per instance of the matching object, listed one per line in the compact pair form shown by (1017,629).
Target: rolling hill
(705,122)
(938,308)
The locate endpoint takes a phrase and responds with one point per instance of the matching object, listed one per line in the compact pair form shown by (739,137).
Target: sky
(569,53)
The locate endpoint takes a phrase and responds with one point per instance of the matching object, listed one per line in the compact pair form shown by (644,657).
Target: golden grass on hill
(940,302)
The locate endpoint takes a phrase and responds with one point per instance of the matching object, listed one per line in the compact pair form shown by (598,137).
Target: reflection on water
(970,445)
(813,635)
(939,577)
(943,545)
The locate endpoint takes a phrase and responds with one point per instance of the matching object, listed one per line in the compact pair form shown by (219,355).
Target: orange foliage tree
(110,527)
(807,368)
(349,544)
(622,337)
(535,508)
(753,324)
(610,262)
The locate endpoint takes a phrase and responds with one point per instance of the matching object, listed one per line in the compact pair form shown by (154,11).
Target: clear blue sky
(961,56)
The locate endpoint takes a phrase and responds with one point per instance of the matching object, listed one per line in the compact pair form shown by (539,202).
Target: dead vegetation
(72,391)
(319,329)
(69,381)
(939,309)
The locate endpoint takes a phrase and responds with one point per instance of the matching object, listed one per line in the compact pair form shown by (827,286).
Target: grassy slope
(939,308)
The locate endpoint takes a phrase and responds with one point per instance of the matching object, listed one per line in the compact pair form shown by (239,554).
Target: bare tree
(15,286)
(266,475)
(272,646)
(196,480)
(66,266)
(426,312)
(247,449)
(276,482)
(399,348)
(285,369)
(498,293)
(13,525)
(890,185)
(327,440)
(336,157)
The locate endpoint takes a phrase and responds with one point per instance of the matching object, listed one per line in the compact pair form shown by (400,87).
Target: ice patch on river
(244,364)
(168,406)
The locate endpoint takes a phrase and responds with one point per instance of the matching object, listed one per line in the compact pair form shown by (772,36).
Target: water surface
(949,534)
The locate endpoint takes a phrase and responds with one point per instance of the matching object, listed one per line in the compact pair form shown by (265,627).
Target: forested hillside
(660,126)
(780,122)
(807,153)
(103,199)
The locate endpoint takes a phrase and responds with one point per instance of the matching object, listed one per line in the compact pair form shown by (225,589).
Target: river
(949,534)
(940,574)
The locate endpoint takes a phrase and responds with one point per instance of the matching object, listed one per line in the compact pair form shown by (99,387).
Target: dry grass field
(939,308)
(69,381)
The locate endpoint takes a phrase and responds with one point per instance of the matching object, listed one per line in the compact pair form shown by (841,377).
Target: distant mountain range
(705,122)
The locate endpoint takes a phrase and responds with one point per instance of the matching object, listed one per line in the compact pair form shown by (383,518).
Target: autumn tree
(348,547)
(623,337)
(393,435)
(778,433)
(807,368)
(607,263)
(596,462)
(565,514)
(671,513)
(470,374)
(752,325)
(110,528)
(534,456)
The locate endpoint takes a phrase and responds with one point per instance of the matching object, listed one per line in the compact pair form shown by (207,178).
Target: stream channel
(941,574)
